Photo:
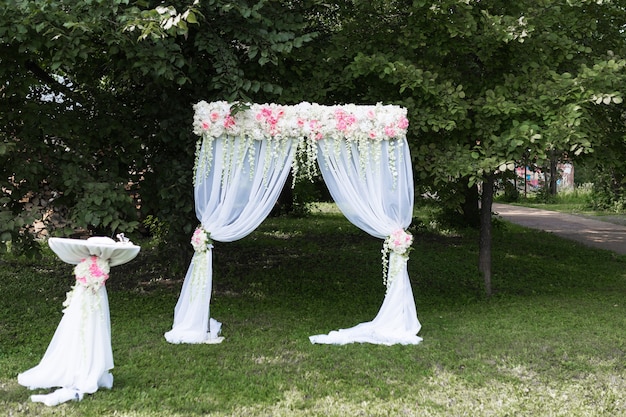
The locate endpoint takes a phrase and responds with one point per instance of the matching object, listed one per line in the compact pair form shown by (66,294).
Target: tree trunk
(552,188)
(471,212)
(484,244)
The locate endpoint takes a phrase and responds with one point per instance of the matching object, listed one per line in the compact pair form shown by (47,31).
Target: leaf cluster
(486,83)
(97,99)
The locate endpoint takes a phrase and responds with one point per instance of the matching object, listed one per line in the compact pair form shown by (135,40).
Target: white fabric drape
(233,195)
(79,357)
(374,189)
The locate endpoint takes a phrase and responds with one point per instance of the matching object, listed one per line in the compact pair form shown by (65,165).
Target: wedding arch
(243,158)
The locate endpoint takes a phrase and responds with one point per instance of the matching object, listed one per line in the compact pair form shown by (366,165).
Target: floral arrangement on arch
(201,240)
(308,123)
(398,242)
(266,121)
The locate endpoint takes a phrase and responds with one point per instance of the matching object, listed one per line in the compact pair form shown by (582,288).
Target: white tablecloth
(79,357)
(73,251)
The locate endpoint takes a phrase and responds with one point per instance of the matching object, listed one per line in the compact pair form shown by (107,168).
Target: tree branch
(53,83)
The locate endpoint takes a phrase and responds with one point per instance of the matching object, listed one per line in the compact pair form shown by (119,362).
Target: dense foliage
(97,102)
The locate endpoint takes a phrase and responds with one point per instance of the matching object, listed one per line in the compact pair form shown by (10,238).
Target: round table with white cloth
(79,357)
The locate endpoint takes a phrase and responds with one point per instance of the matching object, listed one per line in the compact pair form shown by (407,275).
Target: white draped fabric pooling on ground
(238,181)
(232,199)
(79,358)
(378,200)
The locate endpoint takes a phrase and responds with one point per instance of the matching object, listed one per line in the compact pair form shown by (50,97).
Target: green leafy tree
(97,102)
(487,83)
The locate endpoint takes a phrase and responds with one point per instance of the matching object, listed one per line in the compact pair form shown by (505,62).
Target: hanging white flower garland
(308,123)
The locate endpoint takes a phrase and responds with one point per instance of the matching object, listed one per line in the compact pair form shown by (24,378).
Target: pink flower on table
(95,270)
(92,272)
(215,116)
(206,125)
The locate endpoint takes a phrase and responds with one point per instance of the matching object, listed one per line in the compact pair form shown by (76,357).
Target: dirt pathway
(588,231)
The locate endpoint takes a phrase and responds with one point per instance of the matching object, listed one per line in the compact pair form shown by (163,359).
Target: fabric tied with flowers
(192,323)
(243,158)
(201,240)
(202,244)
(396,248)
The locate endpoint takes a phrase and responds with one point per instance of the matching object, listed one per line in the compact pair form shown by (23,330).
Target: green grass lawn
(550,342)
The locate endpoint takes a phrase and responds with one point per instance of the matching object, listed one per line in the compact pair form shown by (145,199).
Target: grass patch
(549,342)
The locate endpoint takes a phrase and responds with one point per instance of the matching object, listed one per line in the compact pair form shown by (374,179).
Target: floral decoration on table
(91,274)
(307,123)
(398,242)
(201,240)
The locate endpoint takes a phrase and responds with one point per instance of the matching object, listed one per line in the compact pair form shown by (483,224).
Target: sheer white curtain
(233,195)
(374,189)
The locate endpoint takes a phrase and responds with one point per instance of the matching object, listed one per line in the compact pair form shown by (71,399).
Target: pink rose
(229,121)
(403,123)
